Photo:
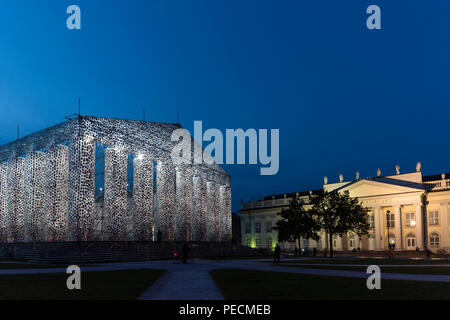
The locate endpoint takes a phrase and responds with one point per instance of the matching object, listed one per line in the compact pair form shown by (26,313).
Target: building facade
(99,179)
(395,214)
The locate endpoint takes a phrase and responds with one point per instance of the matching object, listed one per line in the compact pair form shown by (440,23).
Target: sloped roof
(290,195)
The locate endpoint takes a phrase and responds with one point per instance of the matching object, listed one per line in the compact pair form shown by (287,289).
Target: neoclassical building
(395,213)
(92,178)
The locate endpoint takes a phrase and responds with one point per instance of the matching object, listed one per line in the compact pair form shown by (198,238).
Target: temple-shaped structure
(94,179)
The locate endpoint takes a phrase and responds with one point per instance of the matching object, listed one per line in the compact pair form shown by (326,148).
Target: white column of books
(35,196)
(115,204)
(16,198)
(81,186)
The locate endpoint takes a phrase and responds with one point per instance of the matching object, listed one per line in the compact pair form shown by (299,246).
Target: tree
(338,213)
(296,222)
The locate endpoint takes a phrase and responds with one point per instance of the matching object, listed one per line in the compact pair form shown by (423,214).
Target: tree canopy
(337,213)
(296,222)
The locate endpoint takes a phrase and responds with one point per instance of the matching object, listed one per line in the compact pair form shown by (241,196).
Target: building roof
(290,195)
(134,136)
(435,177)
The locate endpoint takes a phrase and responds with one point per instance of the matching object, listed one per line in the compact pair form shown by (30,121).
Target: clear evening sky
(345,98)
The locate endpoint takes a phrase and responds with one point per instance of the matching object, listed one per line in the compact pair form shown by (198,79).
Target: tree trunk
(331,245)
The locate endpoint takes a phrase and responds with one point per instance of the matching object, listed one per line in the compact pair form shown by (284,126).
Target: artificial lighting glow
(40,183)
(88,139)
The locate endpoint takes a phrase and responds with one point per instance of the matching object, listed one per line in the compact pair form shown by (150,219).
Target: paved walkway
(184,282)
(193,281)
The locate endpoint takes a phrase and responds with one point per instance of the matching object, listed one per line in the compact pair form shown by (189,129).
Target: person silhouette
(158,236)
(277,253)
(185,252)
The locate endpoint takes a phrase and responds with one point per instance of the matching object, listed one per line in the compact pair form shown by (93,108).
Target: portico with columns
(396,213)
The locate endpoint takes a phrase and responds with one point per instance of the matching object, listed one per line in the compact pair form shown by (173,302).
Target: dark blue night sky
(344,98)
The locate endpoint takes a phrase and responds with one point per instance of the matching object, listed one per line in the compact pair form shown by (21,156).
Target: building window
(352,241)
(269,226)
(269,243)
(257,227)
(247,242)
(247,227)
(258,242)
(335,242)
(305,243)
(410,241)
(410,219)
(390,220)
(371,221)
(434,240)
(433,218)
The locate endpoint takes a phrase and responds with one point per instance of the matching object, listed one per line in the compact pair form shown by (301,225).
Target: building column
(229,218)
(57,192)
(81,186)
(344,242)
(324,239)
(143,197)
(357,241)
(211,216)
(444,225)
(183,198)
(364,243)
(115,203)
(378,227)
(398,229)
(165,194)
(16,196)
(3,202)
(199,208)
(223,219)
(419,227)
(35,215)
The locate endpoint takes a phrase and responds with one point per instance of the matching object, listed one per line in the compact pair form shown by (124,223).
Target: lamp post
(424,200)
(388,240)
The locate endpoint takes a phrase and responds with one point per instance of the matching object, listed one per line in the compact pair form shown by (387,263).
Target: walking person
(277,253)
(185,252)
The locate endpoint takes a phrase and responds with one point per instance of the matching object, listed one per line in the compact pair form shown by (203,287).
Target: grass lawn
(365,261)
(387,269)
(13,260)
(122,285)
(250,284)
